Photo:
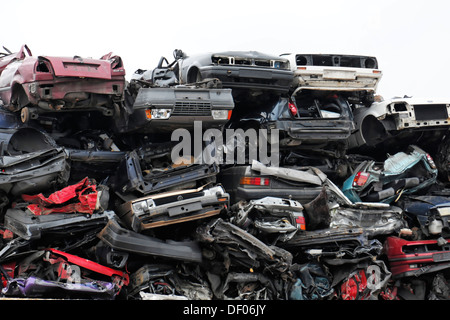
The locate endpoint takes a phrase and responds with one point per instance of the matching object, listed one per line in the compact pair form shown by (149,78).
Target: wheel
(25,114)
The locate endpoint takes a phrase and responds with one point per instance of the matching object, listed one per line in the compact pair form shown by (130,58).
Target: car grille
(192,108)
(430,111)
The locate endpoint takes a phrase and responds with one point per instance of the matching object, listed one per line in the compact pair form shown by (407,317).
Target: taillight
(360,179)
(293,109)
(254,181)
(301,223)
(431,161)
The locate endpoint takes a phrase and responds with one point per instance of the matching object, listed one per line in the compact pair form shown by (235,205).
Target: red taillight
(293,109)
(254,181)
(301,223)
(431,161)
(360,179)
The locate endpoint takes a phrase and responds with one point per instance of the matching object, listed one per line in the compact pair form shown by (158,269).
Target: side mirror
(178,54)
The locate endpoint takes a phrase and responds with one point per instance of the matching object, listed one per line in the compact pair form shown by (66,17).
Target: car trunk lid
(80,67)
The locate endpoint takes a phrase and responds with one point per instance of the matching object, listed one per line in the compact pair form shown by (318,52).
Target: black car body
(255,181)
(30,161)
(316,124)
(155,109)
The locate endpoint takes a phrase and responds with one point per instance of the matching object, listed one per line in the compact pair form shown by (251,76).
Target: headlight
(144,206)
(221,114)
(158,113)
(444,211)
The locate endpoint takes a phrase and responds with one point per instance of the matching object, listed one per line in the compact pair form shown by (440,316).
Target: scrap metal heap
(93,204)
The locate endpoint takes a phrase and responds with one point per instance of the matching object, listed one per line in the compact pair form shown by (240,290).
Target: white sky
(409,38)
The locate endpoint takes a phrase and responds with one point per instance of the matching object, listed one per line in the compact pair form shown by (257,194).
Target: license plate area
(339,75)
(441,256)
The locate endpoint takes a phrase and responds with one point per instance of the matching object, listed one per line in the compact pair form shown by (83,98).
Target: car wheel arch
(19,98)
(372,130)
(193,75)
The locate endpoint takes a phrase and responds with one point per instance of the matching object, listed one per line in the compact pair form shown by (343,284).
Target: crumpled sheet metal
(312,282)
(374,221)
(27,225)
(365,282)
(270,215)
(33,287)
(121,239)
(243,248)
(307,174)
(53,273)
(81,197)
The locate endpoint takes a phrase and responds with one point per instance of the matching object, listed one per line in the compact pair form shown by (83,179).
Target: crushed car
(427,215)
(32,85)
(315,125)
(98,206)
(160,110)
(40,274)
(236,69)
(403,173)
(389,125)
(406,119)
(356,75)
(257,180)
(409,258)
(31,161)
(151,106)
(173,207)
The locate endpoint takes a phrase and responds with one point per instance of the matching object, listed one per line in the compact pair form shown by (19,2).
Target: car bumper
(315,130)
(138,122)
(62,89)
(173,207)
(250,78)
(128,241)
(414,258)
(346,80)
(300,194)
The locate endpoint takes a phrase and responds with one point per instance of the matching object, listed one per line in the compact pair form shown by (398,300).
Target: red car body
(46,84)
(414,258)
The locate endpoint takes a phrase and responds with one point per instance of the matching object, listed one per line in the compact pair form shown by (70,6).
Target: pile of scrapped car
(93,204)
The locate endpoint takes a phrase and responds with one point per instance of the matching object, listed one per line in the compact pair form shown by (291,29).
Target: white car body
(333,72)
(398,114)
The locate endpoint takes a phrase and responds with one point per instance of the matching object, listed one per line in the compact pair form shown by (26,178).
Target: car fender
(190,63)
(369,125)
